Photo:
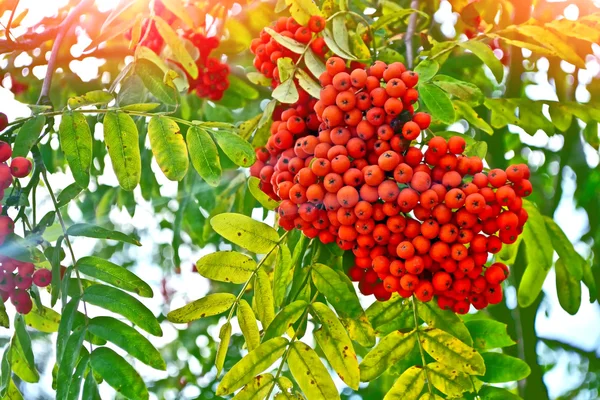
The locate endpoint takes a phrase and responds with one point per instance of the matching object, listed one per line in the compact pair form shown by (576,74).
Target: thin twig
(10,21)
(410,31)
(62,31)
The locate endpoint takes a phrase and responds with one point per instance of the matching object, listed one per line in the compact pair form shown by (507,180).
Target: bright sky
(582,330)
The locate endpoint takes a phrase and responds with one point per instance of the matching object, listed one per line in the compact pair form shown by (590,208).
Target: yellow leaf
(180,53)
(448,350)
(302,10)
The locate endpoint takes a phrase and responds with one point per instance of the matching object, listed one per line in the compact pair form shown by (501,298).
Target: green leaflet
(237,149)
(248,325)
(360,330)
(485,53)
(408,386)
(383,312)
(573,262)
(338,289)
(204,155)
(93,98)
(251,365)
(75,386)
(465,91)
(568,288)
(263,302)
(427,69)
(114,274)
(256,389)
(336,345)
(121,137)
(437,102)
(388,351)
(465,111)
(448,350)
(128,339)
(287,92)
(21,361)
(310,373)
(501,368)
(226,266)
(285,319)
(448,380)
(152,76)
(65,327)
(281,275)
(210,305)
(168,147)
(246,232)
(488,334)
(224,337)
(68,361)
(444,320)
(76,142)
(119,302)
(27,135)
(118,373)
(496,393)
(90,387)
(177,46)
(97,232)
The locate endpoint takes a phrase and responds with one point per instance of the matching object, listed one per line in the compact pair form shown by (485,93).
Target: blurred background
(563,350)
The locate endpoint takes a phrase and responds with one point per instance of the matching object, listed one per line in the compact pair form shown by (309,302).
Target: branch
(62,31)
(410,31)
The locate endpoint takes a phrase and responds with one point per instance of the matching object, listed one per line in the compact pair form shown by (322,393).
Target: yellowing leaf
(226,266)
(257,388)
(338,289)
(485,54)
(237,149)
(302,10)
(408,386)
(248,325)
(464,110)
(388,351)
(250,234)
(264,199)
(210,305)
(44,320)
(204,155)
(224,337)
(121,137)
(180,53)
(177,8)
(448,380)
(76,142)
(93,98)
(444,320)
(251,365)
(287,92)
(448,350)
(282,274)
(264,305)
(383,312)
(288,43)
(553,42)
(310,373)
(285,319)
(360,330)
(336,345)
(168,147)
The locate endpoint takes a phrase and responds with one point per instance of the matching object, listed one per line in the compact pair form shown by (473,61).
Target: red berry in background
(42,277)
(7,225)
(5,149)
(316,23)
(5,176)
(20,167)
(3,125)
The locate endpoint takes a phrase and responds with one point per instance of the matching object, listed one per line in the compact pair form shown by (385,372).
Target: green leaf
(65,327)
(573,261)
(263,303)
(496,393)
(590,282)
(67,194)
(285,319)
(338,289)
(430,396)
(168,147)
(4,320)
(118,373)
(336,345)
(19,363)
(127,338)
(140,107)
(285,66)
(251,365)
(282,274)
(114,274)
(248,325)
(340,33)
(210,305)
(302,10)
(28,134)
(226,266)
(13,392)
(395,16)
(93,98)
(444,320)
(224,337)
(478,149)
(242,88)
(204,155)
(360,330)
(246,232)
(256,389)
(384,312)
(485,54)
(488,334)
(389,55)
(568,288)
(358,46)
(24,341)
(287,92)
(237,149)
(334,47)
(465,91)
(448,350)
(313,63)
(123,304)
(464,110)
(68,361)
(121,137)
(560,119)
(152,76)
(408,386)
(448,380)
(90,387)
(501,368)
(5,371)
(308,84)
(288,43)
(437,102)
(97,232)
(263,199)
(310,373)
(75,386)
(44,320)
(76,142)
(177,46)
(388,352)
(427,70)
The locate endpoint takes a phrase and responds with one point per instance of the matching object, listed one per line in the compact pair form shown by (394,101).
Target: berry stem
(414,307)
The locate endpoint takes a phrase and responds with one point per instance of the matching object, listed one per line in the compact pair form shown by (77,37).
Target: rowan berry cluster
(420,221)
(15,285)
(267,51)
(212,79)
